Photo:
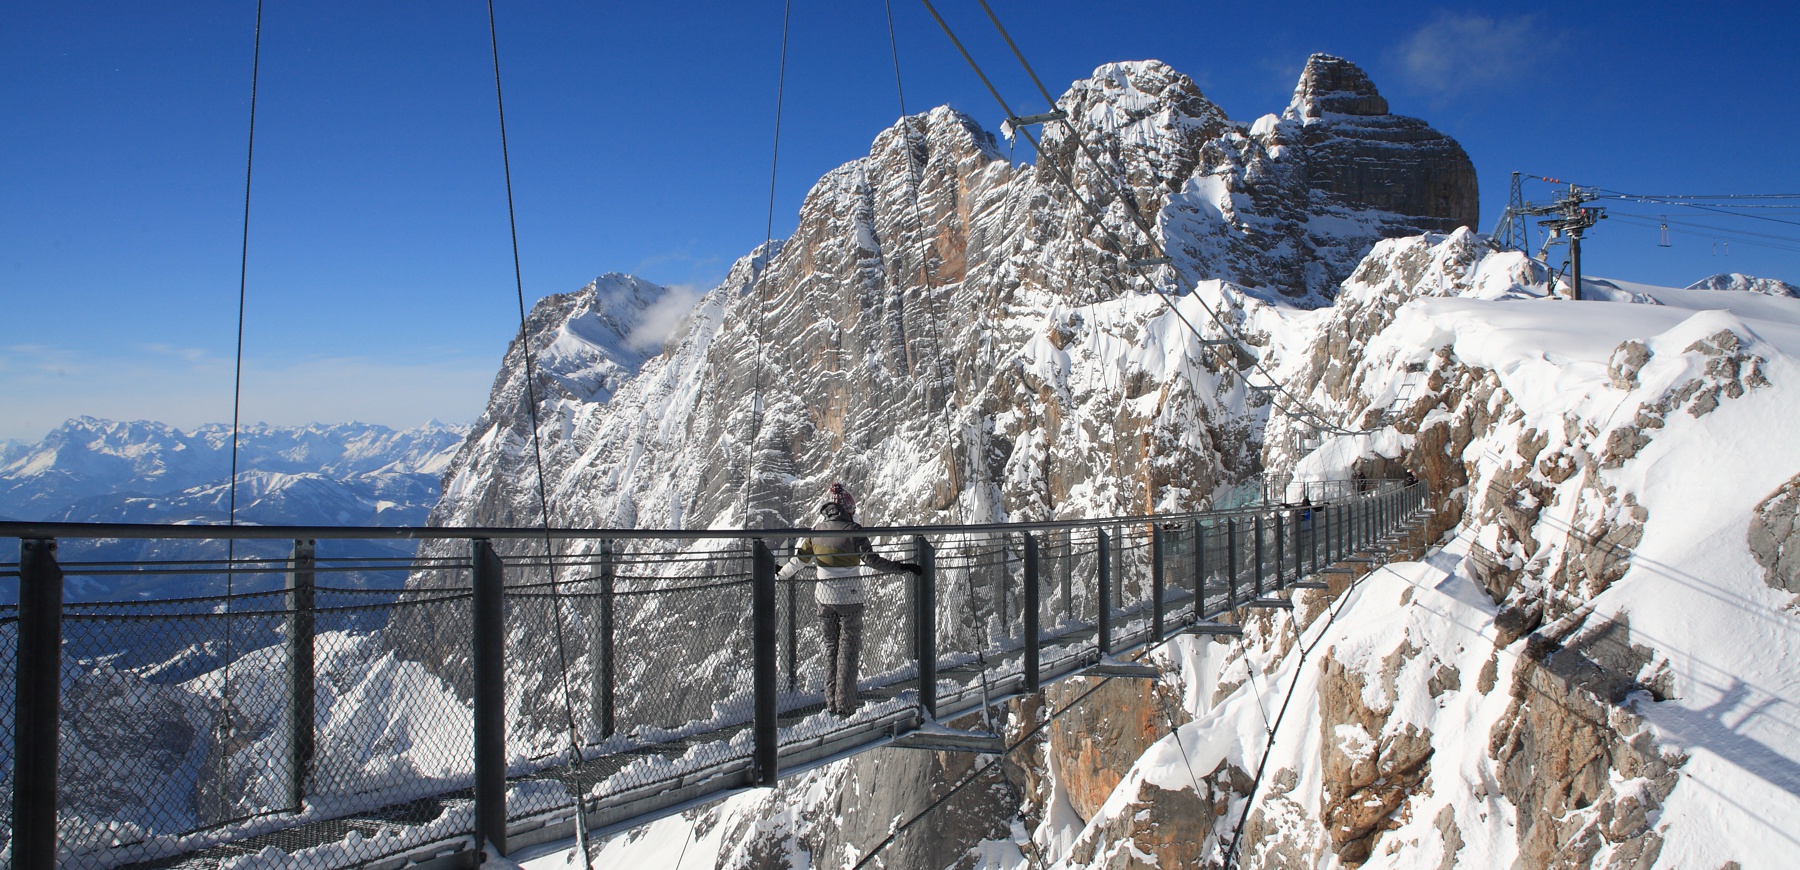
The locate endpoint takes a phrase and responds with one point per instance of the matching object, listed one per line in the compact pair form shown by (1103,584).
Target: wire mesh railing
(339,724)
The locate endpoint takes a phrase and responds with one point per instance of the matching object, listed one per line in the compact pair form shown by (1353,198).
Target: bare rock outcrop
(1368,769)
(1773,538)
(1582,768)
(1358,153)
(1096,743)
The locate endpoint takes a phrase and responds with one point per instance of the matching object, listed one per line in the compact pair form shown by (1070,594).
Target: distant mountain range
(92,470)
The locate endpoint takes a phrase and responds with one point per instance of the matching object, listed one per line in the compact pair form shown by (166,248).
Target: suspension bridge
(187,732)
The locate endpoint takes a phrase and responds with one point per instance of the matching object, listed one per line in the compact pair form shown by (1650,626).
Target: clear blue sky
(380,272)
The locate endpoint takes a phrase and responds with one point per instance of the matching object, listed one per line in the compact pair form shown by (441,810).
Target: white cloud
(1456,53)
(662,317)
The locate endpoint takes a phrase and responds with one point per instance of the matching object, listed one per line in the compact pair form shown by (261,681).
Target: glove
(914,569)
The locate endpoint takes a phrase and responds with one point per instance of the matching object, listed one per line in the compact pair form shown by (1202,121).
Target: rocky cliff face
(944,333)
(1359,154)
(1553,482)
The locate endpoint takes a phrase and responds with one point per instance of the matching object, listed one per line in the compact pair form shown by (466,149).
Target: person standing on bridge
(841,555)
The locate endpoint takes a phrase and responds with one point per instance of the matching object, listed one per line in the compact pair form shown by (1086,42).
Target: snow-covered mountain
(1740,283)
(99,470)
(947,333)
(90,470)
(1596,666)
(1596,669)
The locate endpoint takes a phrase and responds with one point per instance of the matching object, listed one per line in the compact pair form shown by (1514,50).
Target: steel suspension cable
(916,175)
(756,275)
(537,451)
(237,393)
(1231,853)
(975,774)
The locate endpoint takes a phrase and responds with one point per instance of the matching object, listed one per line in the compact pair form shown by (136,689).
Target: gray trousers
(843,644)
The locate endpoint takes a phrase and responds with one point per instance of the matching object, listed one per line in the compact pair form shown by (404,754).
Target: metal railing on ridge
(329,724)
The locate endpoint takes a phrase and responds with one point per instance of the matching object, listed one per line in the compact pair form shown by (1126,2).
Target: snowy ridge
(1739,283)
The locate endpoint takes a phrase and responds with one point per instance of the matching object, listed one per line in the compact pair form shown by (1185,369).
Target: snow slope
(1657,425)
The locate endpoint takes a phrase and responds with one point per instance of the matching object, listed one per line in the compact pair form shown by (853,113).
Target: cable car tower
(1571,218)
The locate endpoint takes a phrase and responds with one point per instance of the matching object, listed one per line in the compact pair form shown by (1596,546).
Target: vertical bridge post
(1280,548)
(1231,560)
(604,651)
(1199,533)
(925,624)
(767,750)
(489,630)
(301,600)
(1299,532)
(1033,634)
(1312,536)
(791,637)
(1104,592)
(1156,583)
(37,705)
(1259,555)
(1065,570)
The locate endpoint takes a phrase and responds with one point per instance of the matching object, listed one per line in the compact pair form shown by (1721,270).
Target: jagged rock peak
(1336,86)
(1138,89)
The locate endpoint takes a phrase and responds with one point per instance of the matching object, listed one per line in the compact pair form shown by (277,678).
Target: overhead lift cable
(1066,176)
(1135,211)
(1162,258)
(537,451)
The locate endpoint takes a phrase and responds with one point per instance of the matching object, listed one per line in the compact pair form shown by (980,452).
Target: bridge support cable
(1298,407)
(537,453)
(916,176)
(226,728)
(975,774)
(756,280)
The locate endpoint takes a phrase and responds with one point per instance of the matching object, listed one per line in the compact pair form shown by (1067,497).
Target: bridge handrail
(205,531)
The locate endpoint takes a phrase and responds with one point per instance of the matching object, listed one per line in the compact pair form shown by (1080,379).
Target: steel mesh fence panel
(1216,577)
(1178,575)
(978,589)
(1069,560)
(170,724)
(1132,567)
(684,686)
(886,667)
(392,708)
